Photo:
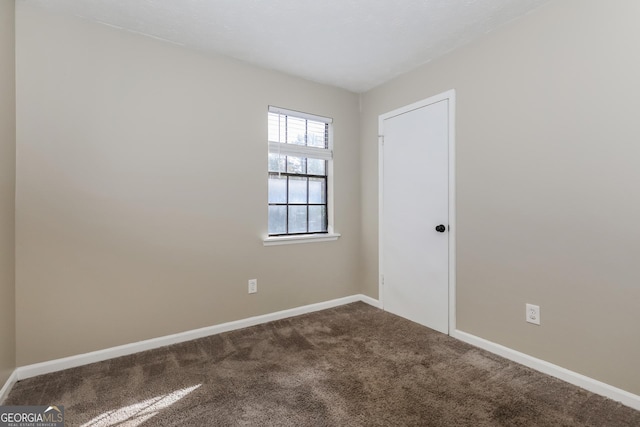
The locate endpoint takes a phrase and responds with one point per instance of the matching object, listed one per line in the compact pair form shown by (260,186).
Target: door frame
(450,96)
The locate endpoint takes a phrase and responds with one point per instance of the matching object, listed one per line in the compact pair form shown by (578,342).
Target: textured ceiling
(353,44)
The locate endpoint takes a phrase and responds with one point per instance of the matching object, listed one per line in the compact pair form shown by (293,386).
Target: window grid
(307,203)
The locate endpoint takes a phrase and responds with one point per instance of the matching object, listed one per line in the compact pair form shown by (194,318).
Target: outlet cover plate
(533,314)
(253,286)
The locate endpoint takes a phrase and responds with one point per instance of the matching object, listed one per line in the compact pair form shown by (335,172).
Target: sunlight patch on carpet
(136,414)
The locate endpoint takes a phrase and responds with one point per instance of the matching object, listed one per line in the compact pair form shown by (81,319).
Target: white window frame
(313,152)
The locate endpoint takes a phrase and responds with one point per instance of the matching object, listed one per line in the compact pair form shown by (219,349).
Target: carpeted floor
(353,365)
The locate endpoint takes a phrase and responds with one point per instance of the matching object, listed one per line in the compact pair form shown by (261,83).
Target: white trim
(452,209)
(98,356)
(330,183)
(587,383)
(285,149)
(449,96)
(380,212)
(368,300)
(301,238)
(8,385)
(300,114)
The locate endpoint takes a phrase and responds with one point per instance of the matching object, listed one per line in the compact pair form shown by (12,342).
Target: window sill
(303,238)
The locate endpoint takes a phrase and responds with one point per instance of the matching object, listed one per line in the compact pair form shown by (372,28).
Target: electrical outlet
(253,286)
(533,314)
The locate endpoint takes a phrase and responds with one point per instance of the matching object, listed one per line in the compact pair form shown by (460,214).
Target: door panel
(415,201)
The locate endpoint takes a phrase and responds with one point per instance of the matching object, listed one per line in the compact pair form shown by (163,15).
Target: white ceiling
(352,44)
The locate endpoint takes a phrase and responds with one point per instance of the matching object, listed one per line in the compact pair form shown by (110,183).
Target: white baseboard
(587,383)
(123,350)
(373,302)
(6,388)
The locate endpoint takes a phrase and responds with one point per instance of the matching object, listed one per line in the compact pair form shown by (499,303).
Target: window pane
(297,219)
(316,167)
(317,219)
(277,163)
(277,189)
(277,219)
(316,134)
(317,192)
(296,130)
(297,190)
(277,127)
(296,164)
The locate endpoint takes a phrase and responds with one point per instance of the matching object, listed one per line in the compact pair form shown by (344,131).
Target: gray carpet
(349,366)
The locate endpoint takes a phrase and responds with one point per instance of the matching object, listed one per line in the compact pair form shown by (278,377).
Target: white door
(415,228)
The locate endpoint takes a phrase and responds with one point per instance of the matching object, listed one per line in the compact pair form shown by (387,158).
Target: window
(300,157)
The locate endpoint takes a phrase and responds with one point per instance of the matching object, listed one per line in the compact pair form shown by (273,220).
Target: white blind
(293,133)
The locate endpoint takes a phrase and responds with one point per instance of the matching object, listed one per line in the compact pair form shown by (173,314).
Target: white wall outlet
(533,314)
(253,286)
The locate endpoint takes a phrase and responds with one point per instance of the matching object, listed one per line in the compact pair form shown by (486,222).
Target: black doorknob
(440,228)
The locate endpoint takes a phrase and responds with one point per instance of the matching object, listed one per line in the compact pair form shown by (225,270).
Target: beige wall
(141,199)
(548,173)
(141,192)
(7,188)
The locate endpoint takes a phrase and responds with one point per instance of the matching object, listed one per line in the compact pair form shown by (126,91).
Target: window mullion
(287,208)
(326,203)
(307,204)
